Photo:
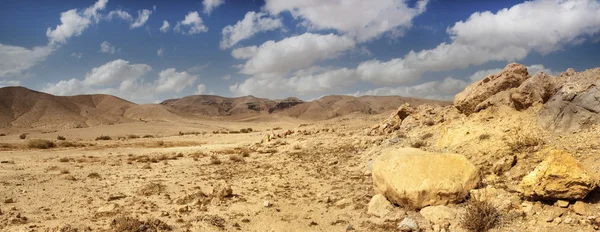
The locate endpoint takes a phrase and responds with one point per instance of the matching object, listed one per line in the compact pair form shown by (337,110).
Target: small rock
(579,208)
(440,214)
(408,225)
(267,204)
(69,177)
(115,197)
(349,227)
(108,209)
(568,220)
(343,203)
(562,203)
(9,201)
(222,191)
(557,220)
(379,206)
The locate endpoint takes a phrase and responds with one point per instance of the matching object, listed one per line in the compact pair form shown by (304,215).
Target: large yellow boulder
(559,176)
(416,178)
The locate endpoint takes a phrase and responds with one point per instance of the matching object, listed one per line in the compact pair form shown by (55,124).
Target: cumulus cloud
(194,22)
(142,18)
(125,80)
(165,27)
(105,47)
(15,60)
(252,24)
(5,83)
(210,5)
(507,35)
(358,19)
(440,90)
(119,14)
(312,80)
(77,55)
(291,53)
(73,23)
(160,52)
(201,89)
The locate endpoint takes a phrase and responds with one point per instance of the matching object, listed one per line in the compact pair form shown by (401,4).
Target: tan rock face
(559,176)
(416,178)
(512,76)
(380,206)
(438,214)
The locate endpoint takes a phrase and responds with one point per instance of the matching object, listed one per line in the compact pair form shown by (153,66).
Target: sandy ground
(314,180)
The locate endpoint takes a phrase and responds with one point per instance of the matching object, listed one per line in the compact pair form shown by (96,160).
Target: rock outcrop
(393,122)
(559,176)
(415,178)
(379,206)
(576,105)
(512,76)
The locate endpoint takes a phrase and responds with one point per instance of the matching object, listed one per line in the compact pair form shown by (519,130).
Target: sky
(149,51)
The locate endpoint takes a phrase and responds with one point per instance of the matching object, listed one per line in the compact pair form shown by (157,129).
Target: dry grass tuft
(525,143)
(236,158)
(94,175)
(152,189)
(23,136)
(426,136)
(40,144)
(61,138)
(2,134)
(70,144)
(484,137)
(215,160)
(480,216)
(103,137)
(130,224)
(246,130)
(64,160)
(417,143)
(133,136)
(6,145)
(148,136)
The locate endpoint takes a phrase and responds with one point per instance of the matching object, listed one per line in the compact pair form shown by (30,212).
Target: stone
(575,106)
(267,204)
(558,176)
(379,206)
(393,122)
(222,191)
(504,164)
(512,76)
(114,197)
(562,203)
(108,209)
(580,208)
(500,198)
(408,225)
(9,201)
(415,178)
(439,214)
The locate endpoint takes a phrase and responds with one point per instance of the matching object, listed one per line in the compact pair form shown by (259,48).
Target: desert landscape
(515,151)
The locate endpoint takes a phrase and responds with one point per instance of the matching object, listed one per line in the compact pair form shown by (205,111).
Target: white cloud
(210,5)
(201,89)
(359,19)
(5,83)
(142,18)
(194,22)
(440,90)
(291,53)
(125,80)
(105,47)
(160,52)
(77,55)
(508,35)
(73,23)
(165,27)
(227,77)
(313,80)
(119,14)
(15,60)
(171,81)
(252,24)
(531,69)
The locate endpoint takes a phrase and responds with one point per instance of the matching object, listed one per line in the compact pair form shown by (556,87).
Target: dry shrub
(480,216)
(61,138)
(64,171)
(64,160)
(130,224)
(277,128)
(94,175)
(297,147)
(152,189)
(214,220)
(234,132)
(246,130)
(6,145)
(197,155)
(23,136)
(103,137)
(525,143)
(133,136)
(236,158)
(484,137)
(215,160)
(429,122)
(160,143)
(70,144)
(2,134)
(418,143)
(41,144)
(148,136)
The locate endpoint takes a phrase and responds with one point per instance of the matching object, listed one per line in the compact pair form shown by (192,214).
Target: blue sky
(281,48)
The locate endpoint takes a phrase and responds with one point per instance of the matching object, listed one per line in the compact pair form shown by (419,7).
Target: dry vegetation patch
(152,189)
(131,224)
(480,216)
(40,144)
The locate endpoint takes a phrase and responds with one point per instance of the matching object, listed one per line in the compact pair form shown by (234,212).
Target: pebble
(9,200)
(408,225)
(562,203)
(267,204)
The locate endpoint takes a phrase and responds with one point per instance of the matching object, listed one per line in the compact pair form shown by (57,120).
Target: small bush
(2,134)
(215,160)
(103,137)
(23,136)
(480,216)
(418,143)
(484,137)
(6,145)
(130,224)
(70,144)
(525,143)
(133,136)
(63,160)
(236,158)
(234,132)
(297,147)
(94,175)
(148,136)
(64,171)
(160,143)
(277,128)
(41,144)
(61,138)
(246,130)
(429,122)
(152,189)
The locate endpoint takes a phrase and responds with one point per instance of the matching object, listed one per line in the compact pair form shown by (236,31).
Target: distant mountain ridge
(25,108)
